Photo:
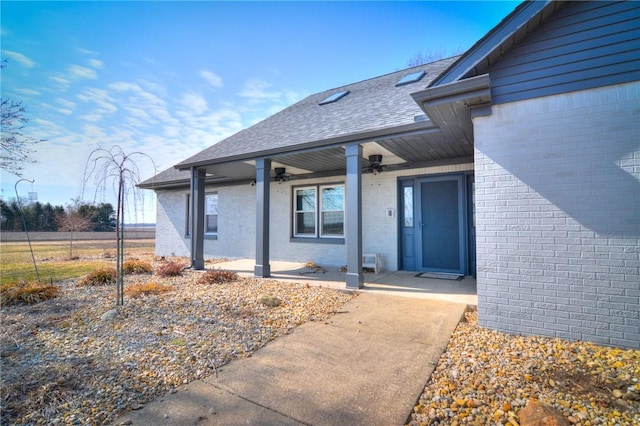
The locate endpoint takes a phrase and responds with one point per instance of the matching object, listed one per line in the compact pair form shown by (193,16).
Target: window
(407,211)
(210,215)
(318,211)
(334,97)
(411,78)
(187,216)
(332,211)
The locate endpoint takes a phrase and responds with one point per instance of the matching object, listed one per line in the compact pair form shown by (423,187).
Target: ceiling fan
(281,175)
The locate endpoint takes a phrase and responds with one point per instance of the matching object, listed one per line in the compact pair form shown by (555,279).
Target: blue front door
(440,210)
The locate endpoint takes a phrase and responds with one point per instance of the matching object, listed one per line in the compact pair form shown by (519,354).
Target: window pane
(333,198)
(333,223)
(408,206)
(306,223)
(211,224)
(306,200)
(211,214)
(211,204)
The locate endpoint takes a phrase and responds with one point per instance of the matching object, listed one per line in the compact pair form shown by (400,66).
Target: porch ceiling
(431,146)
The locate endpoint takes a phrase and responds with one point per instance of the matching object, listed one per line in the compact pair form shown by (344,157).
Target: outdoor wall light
(375,163)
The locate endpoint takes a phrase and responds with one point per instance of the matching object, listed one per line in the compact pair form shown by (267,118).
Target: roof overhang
(450,105)
(342,140)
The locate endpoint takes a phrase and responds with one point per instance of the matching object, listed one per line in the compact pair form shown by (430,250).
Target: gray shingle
(371,105)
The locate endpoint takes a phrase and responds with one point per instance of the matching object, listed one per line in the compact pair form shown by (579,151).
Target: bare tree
(119,170)
(432,55)
(72,222)
(17,148)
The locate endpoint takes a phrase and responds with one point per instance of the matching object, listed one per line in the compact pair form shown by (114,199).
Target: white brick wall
(558,216)
(237,221)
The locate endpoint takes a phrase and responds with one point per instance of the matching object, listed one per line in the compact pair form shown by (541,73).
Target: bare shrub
(217,276)
(170,269)
(101,276)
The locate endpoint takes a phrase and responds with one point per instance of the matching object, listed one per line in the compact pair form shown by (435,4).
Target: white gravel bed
(63,362)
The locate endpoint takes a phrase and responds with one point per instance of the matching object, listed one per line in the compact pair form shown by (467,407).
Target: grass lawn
(56,262)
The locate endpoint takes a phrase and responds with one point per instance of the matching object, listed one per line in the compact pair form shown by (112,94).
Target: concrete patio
(395,283)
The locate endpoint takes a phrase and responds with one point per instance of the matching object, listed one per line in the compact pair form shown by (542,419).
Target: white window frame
(210,210)
(322,210)
(296,212)
(317,211)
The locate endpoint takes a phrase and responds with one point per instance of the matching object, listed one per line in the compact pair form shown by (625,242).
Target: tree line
(45,217)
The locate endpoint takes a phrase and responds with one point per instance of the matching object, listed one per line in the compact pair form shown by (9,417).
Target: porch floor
(393,283)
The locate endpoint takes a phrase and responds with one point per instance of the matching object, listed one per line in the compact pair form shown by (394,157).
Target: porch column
(353,220)
(197,218)
(263,169)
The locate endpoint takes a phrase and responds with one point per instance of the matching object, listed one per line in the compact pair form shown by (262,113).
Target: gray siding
(584,45)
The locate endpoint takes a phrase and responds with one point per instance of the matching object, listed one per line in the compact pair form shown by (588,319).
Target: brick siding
(558,216)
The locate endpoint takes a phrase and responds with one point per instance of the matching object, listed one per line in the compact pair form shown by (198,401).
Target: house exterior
(517,162)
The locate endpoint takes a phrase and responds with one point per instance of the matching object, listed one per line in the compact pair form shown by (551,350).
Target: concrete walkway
(366,365)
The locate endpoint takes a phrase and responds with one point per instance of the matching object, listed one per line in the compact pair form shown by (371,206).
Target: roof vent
(335,97)
(411,78)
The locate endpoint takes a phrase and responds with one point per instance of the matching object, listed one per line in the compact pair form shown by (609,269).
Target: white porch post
(197,218)
(263,169)
(353,220)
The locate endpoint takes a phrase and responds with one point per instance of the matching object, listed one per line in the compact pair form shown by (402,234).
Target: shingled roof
(371,105)
(374,105)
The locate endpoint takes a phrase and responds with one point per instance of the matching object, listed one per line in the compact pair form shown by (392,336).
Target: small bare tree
(72,221)
(116,168)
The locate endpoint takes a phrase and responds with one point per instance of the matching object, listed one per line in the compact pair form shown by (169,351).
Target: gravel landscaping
(76,360)
(486,378)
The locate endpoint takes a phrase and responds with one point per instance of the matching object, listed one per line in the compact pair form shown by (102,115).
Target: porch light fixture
(281,174)
(375,163)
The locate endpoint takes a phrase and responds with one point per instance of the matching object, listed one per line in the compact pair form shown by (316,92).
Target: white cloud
(92,117)
(100,97)
(66,103)
(194,103)
(122,86)
(95,63)
(76,72)
(19,57)
(256,89)
(60,80)
(27,92)
(214,80)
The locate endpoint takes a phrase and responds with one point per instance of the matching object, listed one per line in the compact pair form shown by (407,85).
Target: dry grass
(147,289)
(101,276)
(26,293)
(53,260)
(137,266)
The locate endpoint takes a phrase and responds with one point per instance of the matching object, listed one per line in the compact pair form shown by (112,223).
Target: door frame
(464,249)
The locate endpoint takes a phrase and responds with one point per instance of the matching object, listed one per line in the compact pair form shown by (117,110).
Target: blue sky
(172,78)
